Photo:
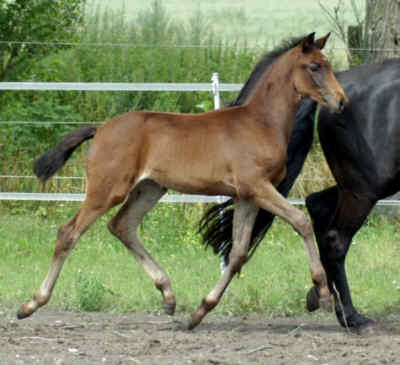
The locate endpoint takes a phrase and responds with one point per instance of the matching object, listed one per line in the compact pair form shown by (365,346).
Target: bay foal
(238,151)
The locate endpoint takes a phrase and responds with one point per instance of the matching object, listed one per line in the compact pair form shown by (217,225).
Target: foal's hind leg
(243,220)
(68,235)
(124,225)
(268,198)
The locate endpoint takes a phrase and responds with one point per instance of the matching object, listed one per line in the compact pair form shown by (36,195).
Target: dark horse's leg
(337,215)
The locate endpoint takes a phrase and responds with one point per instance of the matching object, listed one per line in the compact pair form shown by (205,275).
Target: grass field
(100,275)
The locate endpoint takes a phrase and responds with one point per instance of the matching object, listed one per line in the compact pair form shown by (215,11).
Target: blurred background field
(259,22)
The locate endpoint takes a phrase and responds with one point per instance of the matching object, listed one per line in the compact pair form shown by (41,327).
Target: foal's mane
(216,224)
(265,62)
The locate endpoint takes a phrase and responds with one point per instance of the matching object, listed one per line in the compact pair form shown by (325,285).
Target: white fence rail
(170,198)
(73,197)
(119,86)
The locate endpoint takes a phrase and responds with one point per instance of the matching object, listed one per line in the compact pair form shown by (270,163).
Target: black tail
(216,224)
(50,162)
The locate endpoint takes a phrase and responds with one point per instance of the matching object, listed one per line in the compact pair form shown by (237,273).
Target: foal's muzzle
(336,103)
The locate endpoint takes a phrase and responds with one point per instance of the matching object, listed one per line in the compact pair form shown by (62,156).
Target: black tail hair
(216,224)
(51,161)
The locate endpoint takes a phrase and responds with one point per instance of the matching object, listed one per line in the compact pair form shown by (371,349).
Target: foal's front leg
(243,220)
(268,198)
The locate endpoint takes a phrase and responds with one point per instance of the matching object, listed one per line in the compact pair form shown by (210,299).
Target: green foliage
(23,24)
(27,136)
(25,21)
(90,292)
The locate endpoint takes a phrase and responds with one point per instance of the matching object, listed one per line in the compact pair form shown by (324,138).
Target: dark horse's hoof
(366,330)
(357,323)
(312,299)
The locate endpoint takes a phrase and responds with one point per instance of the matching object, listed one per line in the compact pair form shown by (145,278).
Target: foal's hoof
(195,319)
(192,324)
(313,302)
(169,308)
(326,304)
(21,313)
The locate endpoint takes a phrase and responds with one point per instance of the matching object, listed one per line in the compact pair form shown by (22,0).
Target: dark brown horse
(238,151)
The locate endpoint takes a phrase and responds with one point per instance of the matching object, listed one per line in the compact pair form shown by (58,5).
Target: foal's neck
(275,99)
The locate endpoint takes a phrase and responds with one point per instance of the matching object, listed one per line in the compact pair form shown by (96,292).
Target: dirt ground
(59,338)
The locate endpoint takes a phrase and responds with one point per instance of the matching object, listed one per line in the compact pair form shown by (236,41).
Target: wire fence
(141,45)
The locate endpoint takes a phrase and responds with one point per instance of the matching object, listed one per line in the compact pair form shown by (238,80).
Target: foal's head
(313,75)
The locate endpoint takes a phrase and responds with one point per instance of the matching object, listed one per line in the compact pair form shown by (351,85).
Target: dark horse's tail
(50,162)
(216,224)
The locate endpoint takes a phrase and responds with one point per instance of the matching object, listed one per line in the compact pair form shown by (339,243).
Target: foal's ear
(320,43)
(308,42)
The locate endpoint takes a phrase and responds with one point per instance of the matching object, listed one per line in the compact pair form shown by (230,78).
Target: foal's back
(206,152)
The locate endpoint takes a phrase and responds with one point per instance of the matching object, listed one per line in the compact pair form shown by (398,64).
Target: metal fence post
(217,105)
(215,90)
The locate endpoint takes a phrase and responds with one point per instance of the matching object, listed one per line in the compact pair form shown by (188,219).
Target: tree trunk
(382,30)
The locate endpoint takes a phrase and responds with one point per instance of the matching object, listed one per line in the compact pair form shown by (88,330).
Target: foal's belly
(195,184)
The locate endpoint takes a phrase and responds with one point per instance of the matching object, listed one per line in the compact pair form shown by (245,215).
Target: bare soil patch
(51,337)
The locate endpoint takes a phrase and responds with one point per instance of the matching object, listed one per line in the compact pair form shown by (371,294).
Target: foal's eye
(314,67)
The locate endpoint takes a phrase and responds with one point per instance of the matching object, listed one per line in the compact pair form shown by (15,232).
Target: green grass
(101,275)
